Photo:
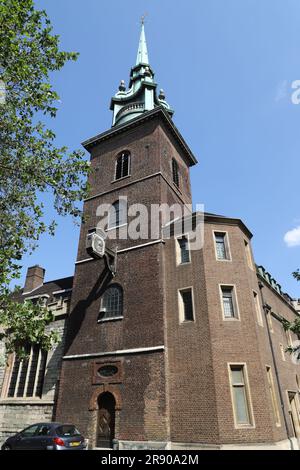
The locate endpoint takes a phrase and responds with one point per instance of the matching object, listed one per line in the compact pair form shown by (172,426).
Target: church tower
(113,381)
(169,346)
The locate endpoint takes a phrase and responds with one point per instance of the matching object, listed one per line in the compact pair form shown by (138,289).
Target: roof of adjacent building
(48,288)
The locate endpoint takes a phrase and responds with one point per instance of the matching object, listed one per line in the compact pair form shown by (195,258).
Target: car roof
(51,424)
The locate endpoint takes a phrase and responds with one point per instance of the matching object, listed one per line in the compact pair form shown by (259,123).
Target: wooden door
(106,421)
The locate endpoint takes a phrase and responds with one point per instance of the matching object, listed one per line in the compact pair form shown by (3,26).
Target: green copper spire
(141,95)
(142,55)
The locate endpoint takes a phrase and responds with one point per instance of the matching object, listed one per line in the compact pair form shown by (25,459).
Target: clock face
(99,245)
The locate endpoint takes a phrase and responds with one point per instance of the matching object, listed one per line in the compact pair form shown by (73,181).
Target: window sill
(244,426)
(183,264)
(120,179)
(224,260)
(103,320)
(231,319)
(25,401)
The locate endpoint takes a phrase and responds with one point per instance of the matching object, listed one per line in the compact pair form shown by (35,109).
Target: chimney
(34,278)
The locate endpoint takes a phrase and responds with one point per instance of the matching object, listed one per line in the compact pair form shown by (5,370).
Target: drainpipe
(267,311)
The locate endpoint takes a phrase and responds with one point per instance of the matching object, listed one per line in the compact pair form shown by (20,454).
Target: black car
(46,436)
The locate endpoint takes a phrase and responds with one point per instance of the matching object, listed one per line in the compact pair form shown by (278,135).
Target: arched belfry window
(175,172)
(117,214)
(112,302)
(122,165)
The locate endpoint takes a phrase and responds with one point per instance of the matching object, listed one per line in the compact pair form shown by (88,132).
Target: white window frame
(226,243)
(258,308)
(289,338)
(182,320)
(289,403)
(275,402)
(270,321)
(237,425)
(129,166)
(281,347)
(234,300)
(117,317)
(178,252)
(248,253)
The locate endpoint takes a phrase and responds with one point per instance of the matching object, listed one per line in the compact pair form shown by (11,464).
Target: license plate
(75,444)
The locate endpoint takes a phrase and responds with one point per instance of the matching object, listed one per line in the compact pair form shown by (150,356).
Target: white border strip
(116,353)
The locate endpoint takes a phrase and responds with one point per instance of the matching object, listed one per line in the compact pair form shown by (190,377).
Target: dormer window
(175,172)
(122,165)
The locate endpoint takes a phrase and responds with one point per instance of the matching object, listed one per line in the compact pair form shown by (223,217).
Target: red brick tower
(113,380)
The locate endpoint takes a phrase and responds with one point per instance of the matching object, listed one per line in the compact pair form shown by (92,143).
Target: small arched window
(117,214)
(112,302)
(175,172)
(122,165)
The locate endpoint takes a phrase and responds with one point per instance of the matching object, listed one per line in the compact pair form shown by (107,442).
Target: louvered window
(122,165)
(175,172)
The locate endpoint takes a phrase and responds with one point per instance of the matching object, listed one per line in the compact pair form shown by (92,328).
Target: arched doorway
(106,420)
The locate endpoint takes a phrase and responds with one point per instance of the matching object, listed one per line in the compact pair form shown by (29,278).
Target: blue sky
(227,68)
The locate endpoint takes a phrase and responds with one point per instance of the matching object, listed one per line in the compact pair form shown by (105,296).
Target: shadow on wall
(54,365)
(77,315)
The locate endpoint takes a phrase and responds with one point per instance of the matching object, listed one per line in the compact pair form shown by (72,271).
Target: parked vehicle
(46,436)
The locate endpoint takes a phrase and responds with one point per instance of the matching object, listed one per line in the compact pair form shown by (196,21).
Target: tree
(30,163)
(296,275)
(295,325)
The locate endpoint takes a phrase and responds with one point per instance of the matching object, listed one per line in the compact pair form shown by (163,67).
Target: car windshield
(67,431)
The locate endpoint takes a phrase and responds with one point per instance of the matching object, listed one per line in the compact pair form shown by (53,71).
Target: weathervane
(143,18)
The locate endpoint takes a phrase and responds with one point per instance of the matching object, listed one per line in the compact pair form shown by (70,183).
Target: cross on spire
(143,18)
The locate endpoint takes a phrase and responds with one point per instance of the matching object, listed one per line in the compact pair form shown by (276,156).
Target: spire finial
(142,55)
(143,18)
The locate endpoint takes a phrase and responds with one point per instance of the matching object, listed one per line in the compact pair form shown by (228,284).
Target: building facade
(28,388)
(169,346)
(177,349)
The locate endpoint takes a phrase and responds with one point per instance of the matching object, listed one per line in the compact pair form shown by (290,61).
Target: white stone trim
(116,353)
(86,260)
(25,401)
(154,242)
(103,320)
(61,291)
(115,227)
(38,296)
